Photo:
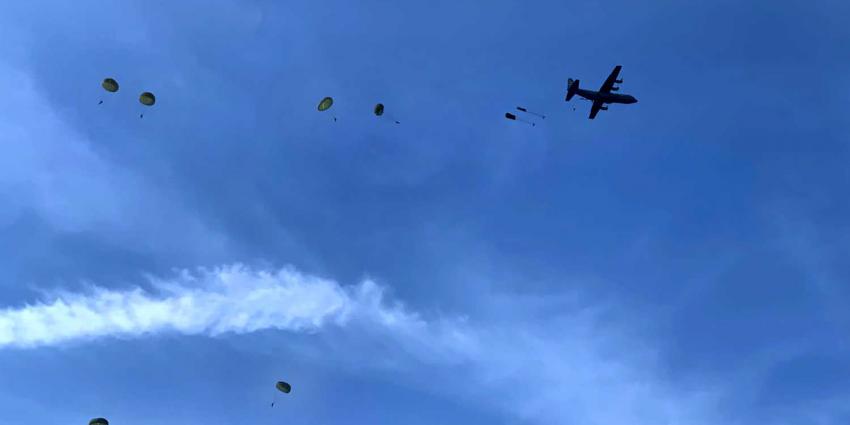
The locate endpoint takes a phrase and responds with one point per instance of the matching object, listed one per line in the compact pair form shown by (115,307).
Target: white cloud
(209,302)
(566,372)
(563,370)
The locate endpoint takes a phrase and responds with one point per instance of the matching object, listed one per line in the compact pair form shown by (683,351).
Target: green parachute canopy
(283,387)
(147,98)
(326,103)
(109,85)
(98,421)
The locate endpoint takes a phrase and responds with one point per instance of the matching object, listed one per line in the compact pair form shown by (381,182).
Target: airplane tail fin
(572,87)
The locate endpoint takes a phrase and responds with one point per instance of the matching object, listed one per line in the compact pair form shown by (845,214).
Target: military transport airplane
(603,96)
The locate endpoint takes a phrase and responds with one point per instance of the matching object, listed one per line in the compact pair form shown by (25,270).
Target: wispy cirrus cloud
(211,302)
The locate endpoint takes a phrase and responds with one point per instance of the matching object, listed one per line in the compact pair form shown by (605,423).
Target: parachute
(513,117)
(98,421)
(326,104)
(520,108)
(148,99)
(379,110)
(110,85)
(282,387)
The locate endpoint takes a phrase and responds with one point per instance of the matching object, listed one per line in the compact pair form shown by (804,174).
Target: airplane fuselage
(595,96)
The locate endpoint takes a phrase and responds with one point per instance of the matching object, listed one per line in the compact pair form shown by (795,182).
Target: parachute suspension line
(110,85)
(326,104)
(390,119)
(378,110)
(148,99)
(520,108)
(513,117)
(282,387)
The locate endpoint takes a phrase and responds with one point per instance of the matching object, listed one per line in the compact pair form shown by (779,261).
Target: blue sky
(677,261)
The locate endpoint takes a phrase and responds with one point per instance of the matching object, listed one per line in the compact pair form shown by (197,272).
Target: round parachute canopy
(379,109)
(109,85)
(98,421)
(283,387)
(326,104)
(147,98)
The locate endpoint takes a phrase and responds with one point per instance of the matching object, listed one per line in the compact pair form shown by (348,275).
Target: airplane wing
(609,82)
(597,105)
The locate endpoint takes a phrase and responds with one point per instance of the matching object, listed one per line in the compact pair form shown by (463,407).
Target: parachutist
(109,85)
(282,387)
(148,99)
